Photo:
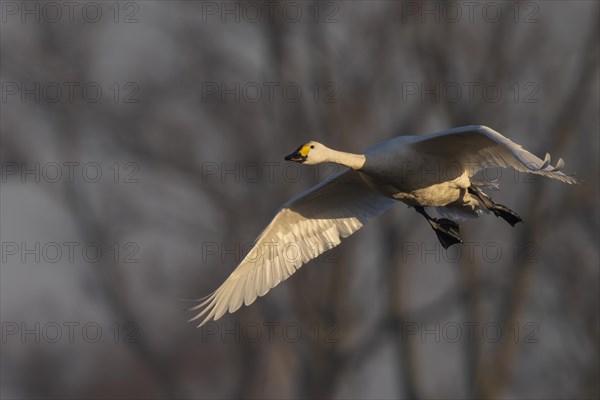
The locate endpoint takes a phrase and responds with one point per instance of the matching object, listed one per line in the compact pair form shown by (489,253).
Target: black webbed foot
(448,232)
(506,213)
(499,210)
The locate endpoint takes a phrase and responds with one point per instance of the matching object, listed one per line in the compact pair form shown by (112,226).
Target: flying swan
(421,171)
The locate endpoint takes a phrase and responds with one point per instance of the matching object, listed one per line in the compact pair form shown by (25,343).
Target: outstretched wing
(304,228)
(477,147)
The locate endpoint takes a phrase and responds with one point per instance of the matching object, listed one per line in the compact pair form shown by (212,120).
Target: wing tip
(554,172)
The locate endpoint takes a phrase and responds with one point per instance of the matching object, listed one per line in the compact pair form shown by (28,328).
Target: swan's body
(421,171)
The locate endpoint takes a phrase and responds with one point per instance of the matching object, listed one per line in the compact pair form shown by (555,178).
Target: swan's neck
(354,161)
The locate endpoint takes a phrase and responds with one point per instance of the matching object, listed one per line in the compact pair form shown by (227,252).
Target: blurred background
(142,152)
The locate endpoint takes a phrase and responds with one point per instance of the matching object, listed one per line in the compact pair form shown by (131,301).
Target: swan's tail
(466,207)
(459,211)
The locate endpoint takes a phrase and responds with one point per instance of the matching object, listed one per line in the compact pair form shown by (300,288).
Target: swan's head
(310,153)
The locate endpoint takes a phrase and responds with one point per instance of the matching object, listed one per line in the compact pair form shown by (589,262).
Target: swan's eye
(312,146)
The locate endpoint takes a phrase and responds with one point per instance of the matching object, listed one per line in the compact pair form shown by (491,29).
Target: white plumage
(421,171)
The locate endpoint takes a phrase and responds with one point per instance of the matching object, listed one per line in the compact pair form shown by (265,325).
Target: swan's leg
(447,231)
(498,209)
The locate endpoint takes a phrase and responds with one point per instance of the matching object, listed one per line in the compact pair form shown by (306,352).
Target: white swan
(421,171)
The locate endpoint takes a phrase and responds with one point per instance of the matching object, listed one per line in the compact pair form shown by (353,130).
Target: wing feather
(478,147)
(305,227)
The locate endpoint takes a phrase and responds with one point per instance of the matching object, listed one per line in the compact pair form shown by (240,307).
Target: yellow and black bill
(300,155)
